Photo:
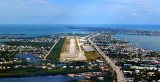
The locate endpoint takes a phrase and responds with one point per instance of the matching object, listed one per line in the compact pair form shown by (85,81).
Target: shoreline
(141,46)
(45,73)
(27,76)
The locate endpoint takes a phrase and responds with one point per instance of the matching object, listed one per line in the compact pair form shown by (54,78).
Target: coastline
(57,78)
(45,73)
(143,40)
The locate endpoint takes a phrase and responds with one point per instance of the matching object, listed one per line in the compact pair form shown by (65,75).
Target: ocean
(40,30)
(37,30)
(124,26)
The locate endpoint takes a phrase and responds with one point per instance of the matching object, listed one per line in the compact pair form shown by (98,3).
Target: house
(77,67)
(53,66)
(100,78)
(44,67)
(64,67)
(150,73)
(70,66)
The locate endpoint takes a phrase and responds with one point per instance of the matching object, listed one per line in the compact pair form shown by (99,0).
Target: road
(51,49)
(72,49)
(79,47)
(120,76)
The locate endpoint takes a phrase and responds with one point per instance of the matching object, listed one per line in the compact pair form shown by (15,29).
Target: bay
(146,42)
(58,78)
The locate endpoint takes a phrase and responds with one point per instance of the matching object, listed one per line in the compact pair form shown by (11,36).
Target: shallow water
(37,30)
(147,42)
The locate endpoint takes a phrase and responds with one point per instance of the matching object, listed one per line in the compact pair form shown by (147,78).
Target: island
(96,56)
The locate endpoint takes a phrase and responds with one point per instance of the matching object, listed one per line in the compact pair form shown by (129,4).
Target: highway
(51,49)
(120,76)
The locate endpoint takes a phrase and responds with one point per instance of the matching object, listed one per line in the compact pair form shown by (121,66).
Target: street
(120,76)
(51,49)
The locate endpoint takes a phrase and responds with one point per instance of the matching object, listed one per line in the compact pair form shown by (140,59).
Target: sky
(79,11)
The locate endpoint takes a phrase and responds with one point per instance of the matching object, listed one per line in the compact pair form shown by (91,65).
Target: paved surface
(120,76)
(79,47)
(72,49)
(73,54)
(51,49)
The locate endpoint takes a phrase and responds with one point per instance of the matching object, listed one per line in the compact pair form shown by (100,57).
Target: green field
(56,51)
(91,55)
(65,46)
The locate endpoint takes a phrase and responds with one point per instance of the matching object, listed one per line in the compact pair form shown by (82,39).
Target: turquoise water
(37,30)
(123,26)
(40,79)
(147,42)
